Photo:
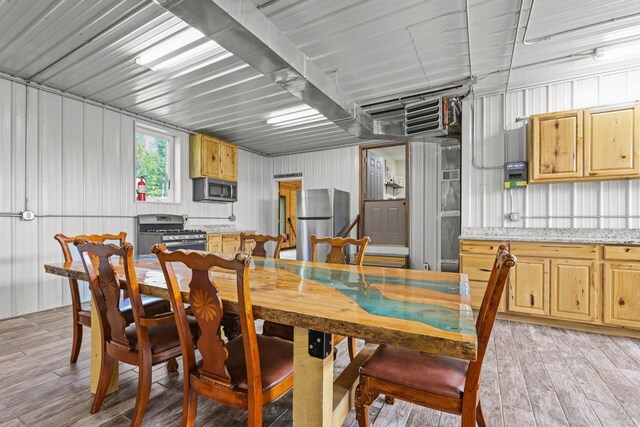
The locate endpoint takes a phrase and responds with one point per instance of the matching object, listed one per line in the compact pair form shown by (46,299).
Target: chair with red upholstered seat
(82,317)
(150,340)
(249,371)
(438,382)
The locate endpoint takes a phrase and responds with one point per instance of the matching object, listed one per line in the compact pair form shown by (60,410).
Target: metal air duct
(239,27)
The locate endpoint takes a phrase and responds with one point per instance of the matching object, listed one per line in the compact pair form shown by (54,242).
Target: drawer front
(555,250)
(477,267)
(478,247)
(532,249)
(622,253)
(228,237)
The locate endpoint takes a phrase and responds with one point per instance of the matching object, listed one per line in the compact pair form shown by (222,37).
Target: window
(155,163)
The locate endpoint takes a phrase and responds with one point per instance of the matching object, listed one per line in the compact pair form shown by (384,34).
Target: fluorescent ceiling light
(304,120)
(622,51)
(172,44)
(281,117)
(171,52)
(209,62)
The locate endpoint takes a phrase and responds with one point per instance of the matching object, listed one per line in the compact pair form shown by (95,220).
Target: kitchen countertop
(559,235)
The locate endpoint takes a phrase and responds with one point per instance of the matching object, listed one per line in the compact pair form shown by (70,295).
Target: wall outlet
(514,216)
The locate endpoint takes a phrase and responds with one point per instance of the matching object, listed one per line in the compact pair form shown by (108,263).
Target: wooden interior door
(287,209)
(611,142)
(556,146)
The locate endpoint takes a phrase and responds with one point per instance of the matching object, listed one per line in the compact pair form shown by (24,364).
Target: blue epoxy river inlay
(356,286)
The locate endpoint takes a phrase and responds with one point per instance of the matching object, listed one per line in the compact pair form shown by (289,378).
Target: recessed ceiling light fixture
(295,115)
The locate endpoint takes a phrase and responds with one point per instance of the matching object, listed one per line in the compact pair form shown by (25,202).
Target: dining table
(417,309)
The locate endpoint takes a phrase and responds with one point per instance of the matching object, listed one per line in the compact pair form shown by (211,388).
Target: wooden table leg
(96,354)
(312,385)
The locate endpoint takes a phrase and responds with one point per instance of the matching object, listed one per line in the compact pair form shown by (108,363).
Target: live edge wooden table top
(427,311)
(422,310)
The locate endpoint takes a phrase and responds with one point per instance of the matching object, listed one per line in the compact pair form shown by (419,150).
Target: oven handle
(191,242)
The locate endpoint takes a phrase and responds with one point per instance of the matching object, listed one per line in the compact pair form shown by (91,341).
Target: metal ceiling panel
(373,49)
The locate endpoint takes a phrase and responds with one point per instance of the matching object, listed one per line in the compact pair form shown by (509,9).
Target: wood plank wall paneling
(484,201)
(80,161)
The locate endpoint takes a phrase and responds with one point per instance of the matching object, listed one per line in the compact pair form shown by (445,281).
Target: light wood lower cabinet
(224,243)
(230,243)
(622,294)
(529,286)
(590,286)
(478,268)
(573,289)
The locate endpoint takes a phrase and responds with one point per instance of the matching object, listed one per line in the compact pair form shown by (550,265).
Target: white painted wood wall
(484,201)
(336,168)
(79,161)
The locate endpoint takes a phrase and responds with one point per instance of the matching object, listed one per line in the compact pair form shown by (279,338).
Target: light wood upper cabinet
(555,150)
(612,141)
(529,286)
(212,158)
(573,289)
(229,162)
(622,294)
(585,145)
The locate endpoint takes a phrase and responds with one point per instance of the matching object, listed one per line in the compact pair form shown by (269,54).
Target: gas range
(169,230)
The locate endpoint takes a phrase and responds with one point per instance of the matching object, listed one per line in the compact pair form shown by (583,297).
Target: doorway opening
(384,191)
(287,214)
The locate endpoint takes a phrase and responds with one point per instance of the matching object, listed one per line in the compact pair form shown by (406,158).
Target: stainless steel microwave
(214,190)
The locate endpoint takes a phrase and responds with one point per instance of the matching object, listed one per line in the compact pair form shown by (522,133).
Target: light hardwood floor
(533,375)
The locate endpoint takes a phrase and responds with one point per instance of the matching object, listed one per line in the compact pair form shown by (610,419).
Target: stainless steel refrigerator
(323,212)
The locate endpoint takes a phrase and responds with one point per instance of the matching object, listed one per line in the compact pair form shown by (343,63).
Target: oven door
(193,245)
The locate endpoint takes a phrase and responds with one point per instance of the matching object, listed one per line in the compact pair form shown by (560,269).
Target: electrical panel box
(515,174)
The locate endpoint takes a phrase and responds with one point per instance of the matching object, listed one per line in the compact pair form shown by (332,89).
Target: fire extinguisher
(142,190)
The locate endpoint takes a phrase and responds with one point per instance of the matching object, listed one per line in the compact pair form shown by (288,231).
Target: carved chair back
(336,254)
(260,241)
(71,254)
(207,308)
(105,286)
(487,314)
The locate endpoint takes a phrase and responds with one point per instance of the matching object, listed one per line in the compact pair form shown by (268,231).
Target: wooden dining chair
(249,371)
(150,340)
(260,241)
(337,255)
(82,317)
(438,382)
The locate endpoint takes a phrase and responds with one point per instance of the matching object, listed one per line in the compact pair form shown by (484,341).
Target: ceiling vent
(427,117)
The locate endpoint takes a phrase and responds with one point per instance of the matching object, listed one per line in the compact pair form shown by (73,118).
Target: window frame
(173,162)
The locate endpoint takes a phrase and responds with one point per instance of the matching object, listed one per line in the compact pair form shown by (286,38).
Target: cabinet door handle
(532,300)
